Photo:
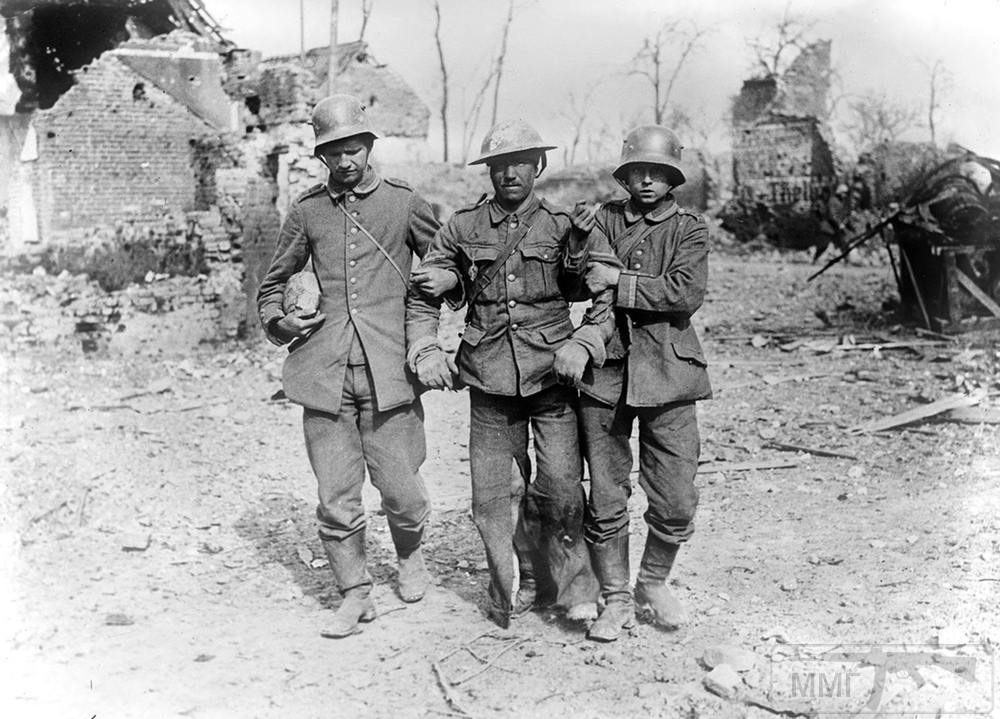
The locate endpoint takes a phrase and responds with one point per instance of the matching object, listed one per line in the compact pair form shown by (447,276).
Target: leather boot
(611,564)
(413,577)
(651,590)
(347,560)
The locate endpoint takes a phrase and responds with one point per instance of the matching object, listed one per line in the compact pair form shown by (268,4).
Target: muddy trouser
(668,462)
(542,520)
(390,444)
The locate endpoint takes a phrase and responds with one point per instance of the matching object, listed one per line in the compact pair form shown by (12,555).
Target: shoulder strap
(485,278)
(632,238)
(370,236)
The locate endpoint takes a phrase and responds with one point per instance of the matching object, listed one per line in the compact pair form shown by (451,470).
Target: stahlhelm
(508,137)
(653,145)
(337,117)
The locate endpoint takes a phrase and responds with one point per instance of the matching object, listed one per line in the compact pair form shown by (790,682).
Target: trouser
(668,461)
(542,520)
(390,444)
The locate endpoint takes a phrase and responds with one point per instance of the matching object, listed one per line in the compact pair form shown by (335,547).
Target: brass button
(352,198)
(354,280)
(638,253)
(354,295)
(514,326)
(511,277)
(354,230)
(352,245)
(512,303)
(636,266)
(352,263)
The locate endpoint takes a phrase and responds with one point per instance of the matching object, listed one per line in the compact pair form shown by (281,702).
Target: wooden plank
(711,467)
(919,413)
(977,292)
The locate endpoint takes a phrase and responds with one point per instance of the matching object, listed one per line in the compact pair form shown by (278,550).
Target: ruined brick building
(139,122)
(131,110)
(783,165)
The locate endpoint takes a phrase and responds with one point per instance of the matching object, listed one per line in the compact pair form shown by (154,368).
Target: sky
(560,51)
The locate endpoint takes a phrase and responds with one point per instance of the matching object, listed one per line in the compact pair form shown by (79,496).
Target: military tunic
(362,409)
(655,371)
(514,326)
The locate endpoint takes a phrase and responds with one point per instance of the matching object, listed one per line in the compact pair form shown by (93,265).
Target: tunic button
(514,327)
(354,280)
(352,245)
(512,303)
(352,198)
(354,295)
(636,266)
(352,263)
(354,214)
(639,253)
(511,277)
(354,230)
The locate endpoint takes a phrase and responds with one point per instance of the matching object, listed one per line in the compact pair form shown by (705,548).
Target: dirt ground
(160,559)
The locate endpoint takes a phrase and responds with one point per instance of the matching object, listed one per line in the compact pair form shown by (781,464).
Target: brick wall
(114,146)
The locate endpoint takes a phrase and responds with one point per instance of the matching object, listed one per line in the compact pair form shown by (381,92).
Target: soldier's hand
(294,326)
(571,360)
(583,218)
(433,281)
(601,276)
(434,370)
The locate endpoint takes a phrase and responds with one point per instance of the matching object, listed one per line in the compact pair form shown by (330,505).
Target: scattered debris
(136,542)
(809,450)
(723,681)
(118,620)
(740,659)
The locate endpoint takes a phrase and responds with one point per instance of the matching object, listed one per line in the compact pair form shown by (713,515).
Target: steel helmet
(653,145)
(508,137)
(337,117)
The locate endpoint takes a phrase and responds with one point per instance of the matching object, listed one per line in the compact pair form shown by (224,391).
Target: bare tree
(498,66)
(662,57)
(875,120)
(577,110)
(366,13)
(444,78)
(470,120)
(771,55)
(471,111)
(939,83)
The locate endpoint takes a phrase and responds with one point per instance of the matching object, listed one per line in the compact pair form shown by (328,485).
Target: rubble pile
(71,309)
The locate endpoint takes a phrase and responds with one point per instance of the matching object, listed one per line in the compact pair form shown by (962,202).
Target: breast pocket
(476,261)
(541,269)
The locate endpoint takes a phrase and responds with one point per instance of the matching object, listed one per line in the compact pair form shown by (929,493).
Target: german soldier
(655,370)
(347,362)
(514,260)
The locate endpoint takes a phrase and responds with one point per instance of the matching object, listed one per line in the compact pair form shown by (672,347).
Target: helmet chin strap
(541,166)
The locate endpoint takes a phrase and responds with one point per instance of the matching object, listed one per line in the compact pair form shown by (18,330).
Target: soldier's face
(346,159)
(647,184)
(513,177)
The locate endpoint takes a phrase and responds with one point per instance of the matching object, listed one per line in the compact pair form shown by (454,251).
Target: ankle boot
(413,577)
(611,564)
(651,590)
(355,608)
(348,562)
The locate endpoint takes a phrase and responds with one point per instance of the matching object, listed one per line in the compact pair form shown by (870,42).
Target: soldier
(514,260)
(347,362)
(655,370)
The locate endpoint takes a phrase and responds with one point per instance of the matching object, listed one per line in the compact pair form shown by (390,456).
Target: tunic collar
(527,209)
(369,181)
(634,214)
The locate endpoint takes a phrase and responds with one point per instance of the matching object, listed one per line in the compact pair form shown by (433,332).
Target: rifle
(864,236)
(885,662)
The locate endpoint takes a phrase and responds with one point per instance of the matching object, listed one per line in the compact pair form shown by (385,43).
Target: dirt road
(160,559)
